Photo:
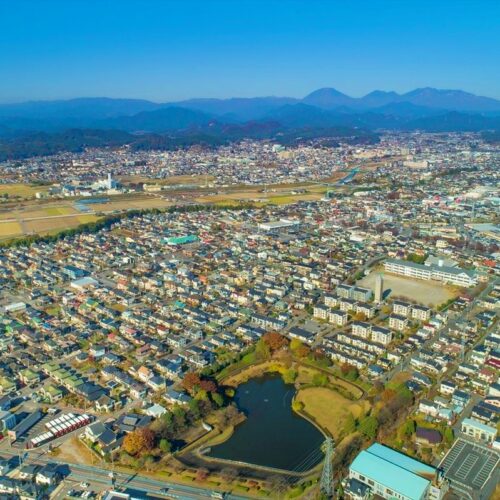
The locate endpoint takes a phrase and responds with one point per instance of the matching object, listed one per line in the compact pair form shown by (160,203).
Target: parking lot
(469,467)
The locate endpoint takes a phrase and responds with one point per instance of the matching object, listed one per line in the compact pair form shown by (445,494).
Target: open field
(329,408)
(276,196)
(51,216)
(172,180)
(132,203)
(10,229)
(54,224)
(428,293)
(22,190)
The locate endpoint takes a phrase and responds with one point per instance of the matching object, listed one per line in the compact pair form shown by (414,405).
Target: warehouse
(390,474)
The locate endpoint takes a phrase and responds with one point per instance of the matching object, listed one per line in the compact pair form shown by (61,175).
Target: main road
(124,481)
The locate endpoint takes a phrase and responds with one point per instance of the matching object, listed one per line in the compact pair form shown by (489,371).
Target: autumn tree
(139,441)
(275,341)
(190,381)
(208,386)
(299,349)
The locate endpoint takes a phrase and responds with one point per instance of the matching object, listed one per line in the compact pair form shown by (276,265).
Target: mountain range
(322,113)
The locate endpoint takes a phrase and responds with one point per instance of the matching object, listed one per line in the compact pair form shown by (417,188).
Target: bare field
(174,179)
(22,190)
(137,203)
(9,229)
(278,196)
(428,293)
(54,224)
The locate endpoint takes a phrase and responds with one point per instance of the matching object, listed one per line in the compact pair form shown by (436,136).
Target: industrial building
(384,472)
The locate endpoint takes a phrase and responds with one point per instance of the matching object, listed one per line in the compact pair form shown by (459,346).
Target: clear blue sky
(175,49)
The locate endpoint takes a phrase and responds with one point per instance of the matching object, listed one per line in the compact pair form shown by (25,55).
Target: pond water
(273,435)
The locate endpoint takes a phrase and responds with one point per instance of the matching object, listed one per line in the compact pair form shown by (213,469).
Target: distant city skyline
(174,50)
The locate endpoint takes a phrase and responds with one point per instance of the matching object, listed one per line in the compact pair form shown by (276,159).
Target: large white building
(445,274)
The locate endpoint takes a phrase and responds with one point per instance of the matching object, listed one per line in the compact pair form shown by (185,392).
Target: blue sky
(169,50)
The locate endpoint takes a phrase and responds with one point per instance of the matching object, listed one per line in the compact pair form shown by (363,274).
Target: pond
(273,435)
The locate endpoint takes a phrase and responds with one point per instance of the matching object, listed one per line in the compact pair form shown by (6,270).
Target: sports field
(429,293)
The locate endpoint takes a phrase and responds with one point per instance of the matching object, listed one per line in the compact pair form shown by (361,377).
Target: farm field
(428,293)
(22,190)
(10,229)
(276,196)
(55,224)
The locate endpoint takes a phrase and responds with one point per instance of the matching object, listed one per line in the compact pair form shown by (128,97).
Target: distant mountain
(454,100)
(328,98)
(43,143)
(378,98)
(237,109)
(81,108)
(160,120)
(424,109)
(458,122)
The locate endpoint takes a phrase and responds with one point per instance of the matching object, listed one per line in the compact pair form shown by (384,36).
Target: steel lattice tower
(326,484)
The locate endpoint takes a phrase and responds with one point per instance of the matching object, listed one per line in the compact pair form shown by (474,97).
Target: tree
(208,385)
(408,428)
(165,445)
(320,379)
(190,381)
(262,350)
(202,474)
(289,376)
(349,424)
(139,441)
(299,349)
(298,406)
(148,462)
(369,426)
(218,399)
(448,435)
(275,341)
(228,474)
(194,406)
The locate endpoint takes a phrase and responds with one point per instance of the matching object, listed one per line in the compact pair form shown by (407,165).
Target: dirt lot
(428,293)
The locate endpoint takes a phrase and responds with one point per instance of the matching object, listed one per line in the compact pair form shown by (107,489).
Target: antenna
(326,483)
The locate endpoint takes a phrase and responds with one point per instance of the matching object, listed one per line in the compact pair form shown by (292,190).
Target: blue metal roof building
(391,474)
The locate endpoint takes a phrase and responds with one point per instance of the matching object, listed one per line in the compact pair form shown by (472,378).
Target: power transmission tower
(326,483)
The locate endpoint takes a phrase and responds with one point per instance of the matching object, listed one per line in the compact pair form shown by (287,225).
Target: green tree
(448,435)
(349,424)
(262,350)
(369,426)
(165,445)
(320,379)
(289,376)
(408,428)
(218,399)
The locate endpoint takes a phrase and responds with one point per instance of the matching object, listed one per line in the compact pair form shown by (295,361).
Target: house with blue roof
(392,475)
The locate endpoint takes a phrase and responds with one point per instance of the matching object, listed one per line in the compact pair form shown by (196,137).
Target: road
(101,478)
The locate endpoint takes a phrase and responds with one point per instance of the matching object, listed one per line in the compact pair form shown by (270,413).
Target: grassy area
(9,229)
(329,408)
(22,190)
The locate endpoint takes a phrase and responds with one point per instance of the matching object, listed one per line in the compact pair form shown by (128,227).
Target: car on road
(84,484)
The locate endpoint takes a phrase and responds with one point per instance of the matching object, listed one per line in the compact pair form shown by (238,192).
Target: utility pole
(326,483)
